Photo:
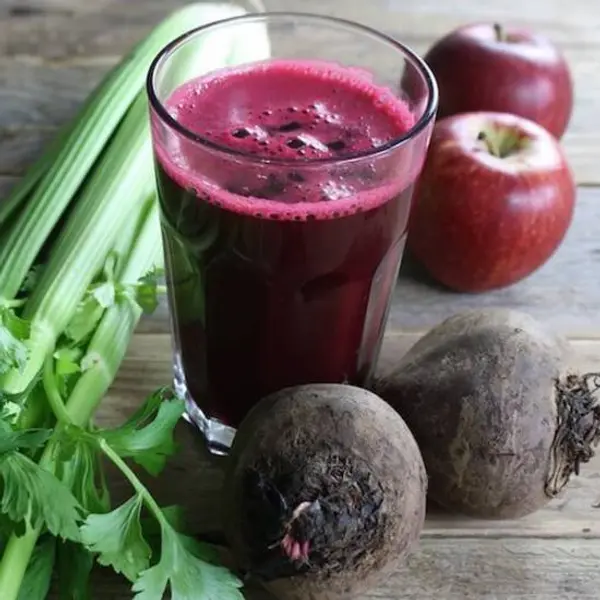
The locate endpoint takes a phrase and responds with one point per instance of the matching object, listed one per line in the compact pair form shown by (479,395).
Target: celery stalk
(93,127)
(118,185)
(113,334)
(107,176)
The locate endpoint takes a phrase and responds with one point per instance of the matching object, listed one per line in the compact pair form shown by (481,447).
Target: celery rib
(75,170)
(81,147)
(115,192)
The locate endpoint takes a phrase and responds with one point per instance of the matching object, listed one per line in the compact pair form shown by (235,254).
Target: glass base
(218,437)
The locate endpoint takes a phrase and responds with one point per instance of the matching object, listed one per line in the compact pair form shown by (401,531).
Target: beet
(500,424)
(325,492)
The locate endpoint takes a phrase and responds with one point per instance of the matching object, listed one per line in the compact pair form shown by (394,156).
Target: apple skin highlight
(480,221)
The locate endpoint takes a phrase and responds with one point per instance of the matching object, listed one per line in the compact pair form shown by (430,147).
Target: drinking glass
(264,291)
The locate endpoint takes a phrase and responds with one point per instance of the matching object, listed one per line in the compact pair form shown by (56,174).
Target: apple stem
(500,36)
(490,142)
(500,143)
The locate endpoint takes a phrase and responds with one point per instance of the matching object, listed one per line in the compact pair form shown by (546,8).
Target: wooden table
(54,51)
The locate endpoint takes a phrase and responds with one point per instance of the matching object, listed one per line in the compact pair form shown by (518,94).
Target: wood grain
(468,569)
(6,184)
(20,147)
(39,96)
(72,27)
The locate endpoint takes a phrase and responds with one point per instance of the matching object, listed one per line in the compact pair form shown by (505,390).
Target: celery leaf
(147,290)
(147,437)
(117,538)
(25,439)
(67,361)
(104,294)
(33,495)
(14,331)
(185,566)
(79,467)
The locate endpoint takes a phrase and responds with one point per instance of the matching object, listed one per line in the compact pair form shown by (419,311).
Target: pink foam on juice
(294,111)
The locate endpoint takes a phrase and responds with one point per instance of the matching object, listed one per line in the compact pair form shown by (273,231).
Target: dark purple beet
(501,424)
(325,492)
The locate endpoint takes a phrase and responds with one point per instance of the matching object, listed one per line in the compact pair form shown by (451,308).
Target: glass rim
(396,142)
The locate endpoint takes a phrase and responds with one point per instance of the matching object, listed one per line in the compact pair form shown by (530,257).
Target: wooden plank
(20,147)
(194,480)
(64,29)
(494,570)
(38,96)
(466,569)
(6,184)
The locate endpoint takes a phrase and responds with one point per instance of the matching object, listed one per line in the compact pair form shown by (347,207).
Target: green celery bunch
(80,261)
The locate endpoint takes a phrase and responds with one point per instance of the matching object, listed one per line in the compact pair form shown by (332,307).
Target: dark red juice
(280,273)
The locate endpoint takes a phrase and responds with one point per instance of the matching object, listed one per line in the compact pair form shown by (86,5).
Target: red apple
(493,202)
(484,67)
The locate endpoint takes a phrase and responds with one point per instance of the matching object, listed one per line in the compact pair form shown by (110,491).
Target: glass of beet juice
(285,184)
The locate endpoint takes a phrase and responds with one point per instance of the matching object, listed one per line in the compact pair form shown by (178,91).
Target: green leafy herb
(28,439)
(104,293)
(67,361)
(147,290)
(67,368)
(79,467)
(117,538)
(147,436)
(185,567)
(14,331)
(33,495)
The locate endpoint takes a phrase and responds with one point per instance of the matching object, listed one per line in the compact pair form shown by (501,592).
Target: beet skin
(325,492)
(500,424)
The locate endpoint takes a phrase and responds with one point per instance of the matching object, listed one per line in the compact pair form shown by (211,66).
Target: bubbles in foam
(333,125)
(295,143)
(240,133)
